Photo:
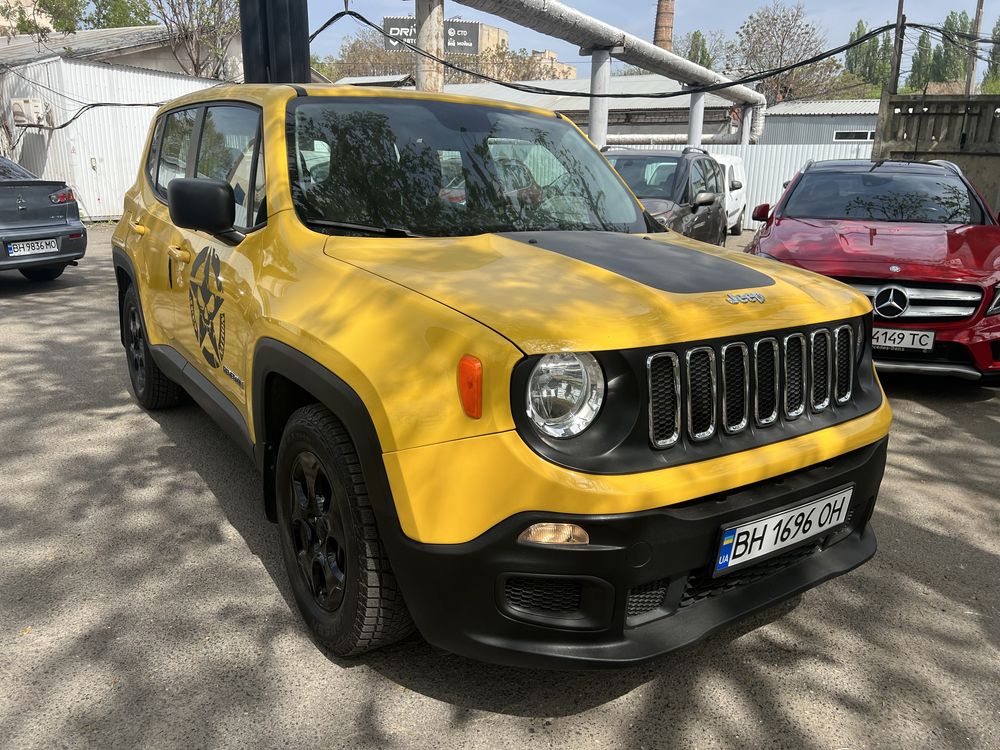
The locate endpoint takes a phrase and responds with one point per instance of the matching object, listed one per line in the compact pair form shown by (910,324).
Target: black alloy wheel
(337,566)
(152,388)
(318,533)
(135,347)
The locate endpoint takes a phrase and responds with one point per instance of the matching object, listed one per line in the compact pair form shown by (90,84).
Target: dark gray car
(40,228)
(683,190)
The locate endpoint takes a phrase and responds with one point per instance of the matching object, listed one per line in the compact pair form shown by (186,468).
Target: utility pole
(970,79)
(897,56)
(275,38)
(430,37)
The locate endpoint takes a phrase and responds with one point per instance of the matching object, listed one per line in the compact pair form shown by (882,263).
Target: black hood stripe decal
(670,268)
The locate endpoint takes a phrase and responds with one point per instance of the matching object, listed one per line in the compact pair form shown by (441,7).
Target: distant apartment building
(551,67)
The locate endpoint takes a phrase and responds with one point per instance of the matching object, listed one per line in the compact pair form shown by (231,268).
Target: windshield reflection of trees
(949,204)
(378,178)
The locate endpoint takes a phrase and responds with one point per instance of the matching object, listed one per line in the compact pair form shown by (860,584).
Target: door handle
(137,227)
(180,254)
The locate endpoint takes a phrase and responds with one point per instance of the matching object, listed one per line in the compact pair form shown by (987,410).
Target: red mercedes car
(918,239)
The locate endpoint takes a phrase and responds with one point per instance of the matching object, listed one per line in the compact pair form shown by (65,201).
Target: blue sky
(837,18)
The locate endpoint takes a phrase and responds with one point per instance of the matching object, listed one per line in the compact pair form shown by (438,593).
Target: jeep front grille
(729,387)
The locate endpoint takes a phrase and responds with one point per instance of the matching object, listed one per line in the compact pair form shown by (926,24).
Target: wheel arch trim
(272,357)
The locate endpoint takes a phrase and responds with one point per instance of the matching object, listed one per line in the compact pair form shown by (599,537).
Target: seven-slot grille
(728,388)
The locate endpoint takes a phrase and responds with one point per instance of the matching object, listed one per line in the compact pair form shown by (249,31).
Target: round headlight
(565,393)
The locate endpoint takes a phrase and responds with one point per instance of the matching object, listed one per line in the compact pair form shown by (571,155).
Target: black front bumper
(641,588)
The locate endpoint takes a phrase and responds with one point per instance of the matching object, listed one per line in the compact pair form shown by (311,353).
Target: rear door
(151,234)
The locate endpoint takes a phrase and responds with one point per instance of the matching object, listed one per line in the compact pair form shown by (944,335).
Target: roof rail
(947,165)
(809,163)
(692,149)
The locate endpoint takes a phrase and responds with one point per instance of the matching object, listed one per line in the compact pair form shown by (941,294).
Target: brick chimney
(663,32)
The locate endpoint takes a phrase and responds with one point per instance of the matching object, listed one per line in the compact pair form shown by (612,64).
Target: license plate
(899,338)
(32,247)
(749,541)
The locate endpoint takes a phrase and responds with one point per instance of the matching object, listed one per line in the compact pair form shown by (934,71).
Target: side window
(178,128)
(699,178)
(154,150)
(258,204)
(227,152)
(714,175)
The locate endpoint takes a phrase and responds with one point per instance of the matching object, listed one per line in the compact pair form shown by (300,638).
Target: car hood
(844,248)
(592,291)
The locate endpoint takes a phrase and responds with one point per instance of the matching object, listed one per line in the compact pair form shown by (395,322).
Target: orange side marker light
(470,385)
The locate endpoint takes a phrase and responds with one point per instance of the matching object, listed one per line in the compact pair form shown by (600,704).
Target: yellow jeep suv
(489,397)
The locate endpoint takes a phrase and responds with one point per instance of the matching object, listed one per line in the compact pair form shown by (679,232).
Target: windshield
(887,196)
(442,168)
(648,176)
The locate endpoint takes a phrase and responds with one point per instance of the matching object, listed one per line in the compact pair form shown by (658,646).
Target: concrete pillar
(696,119)
(600,83)
(746,124)
(430,37)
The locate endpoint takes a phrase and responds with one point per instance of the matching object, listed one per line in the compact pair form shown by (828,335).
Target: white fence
(769,167)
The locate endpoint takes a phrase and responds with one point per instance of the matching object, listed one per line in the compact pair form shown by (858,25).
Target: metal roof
(398,79)
(638,85)
(25,48)
(832,107)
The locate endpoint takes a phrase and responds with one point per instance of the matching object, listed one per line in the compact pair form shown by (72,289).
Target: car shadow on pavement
(13,285)
(874,609)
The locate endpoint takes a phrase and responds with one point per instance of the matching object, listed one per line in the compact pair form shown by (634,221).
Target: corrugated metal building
(821,122)
(98,153)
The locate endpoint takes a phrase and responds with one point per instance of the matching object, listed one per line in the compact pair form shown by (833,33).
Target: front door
(213,287)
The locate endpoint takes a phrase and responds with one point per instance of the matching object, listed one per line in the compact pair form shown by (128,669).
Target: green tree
(776,35)
(113,14)
(991,81)
(950,59)
(920,63)
(870,61)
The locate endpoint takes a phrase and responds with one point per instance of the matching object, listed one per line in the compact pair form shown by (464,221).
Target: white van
(736,192)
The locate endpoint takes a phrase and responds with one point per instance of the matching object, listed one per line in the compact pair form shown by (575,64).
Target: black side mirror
(703,198)
(735,185)
(205,206)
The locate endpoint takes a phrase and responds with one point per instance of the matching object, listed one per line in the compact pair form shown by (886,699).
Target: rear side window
(177,131)
(227,151)
(887,196)
(154,150)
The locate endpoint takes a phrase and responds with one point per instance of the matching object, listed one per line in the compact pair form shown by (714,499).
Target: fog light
(554,533)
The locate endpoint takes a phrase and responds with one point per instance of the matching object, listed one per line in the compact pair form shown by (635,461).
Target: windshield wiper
(386,231)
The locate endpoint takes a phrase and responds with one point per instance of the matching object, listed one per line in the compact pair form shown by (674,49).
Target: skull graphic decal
(205,300)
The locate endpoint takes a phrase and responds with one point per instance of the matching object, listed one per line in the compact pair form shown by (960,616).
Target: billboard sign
(460,37)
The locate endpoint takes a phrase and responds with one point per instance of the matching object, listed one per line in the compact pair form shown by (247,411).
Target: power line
(529,89)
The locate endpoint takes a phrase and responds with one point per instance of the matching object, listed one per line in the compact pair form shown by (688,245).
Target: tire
(336,562)
(737,229)
(45,273)
(153,390)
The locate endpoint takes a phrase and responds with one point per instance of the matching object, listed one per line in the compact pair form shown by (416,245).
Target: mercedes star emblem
(890,302)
